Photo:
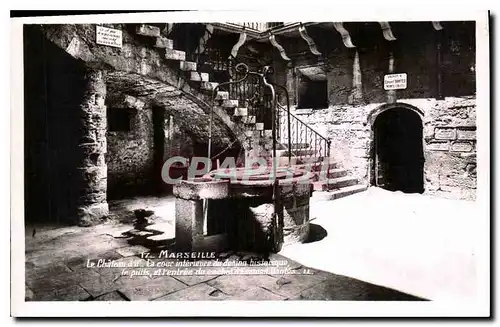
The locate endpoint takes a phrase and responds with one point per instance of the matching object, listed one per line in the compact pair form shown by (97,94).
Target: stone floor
(375,245)
(426,246)
(58,266)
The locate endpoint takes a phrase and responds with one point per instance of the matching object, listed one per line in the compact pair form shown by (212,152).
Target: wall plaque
(395,81)
(108,36)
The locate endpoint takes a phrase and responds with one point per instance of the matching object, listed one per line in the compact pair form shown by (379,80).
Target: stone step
(336,173)
(268,133)
(172,54)
(164,43)
(248,120)
(148,30)
(316,166)
(222,95)
(329,174)
(230,103)
(187,66)
(209,86)
(301,152)
(240,112)
(259,126)
(337,194)
(299,145)
(301,161)
(339,182)
(199,77)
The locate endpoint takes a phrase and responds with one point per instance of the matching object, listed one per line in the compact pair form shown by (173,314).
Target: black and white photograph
(188,158)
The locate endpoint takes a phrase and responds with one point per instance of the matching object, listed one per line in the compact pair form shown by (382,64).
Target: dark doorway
(398,155)
(312,94)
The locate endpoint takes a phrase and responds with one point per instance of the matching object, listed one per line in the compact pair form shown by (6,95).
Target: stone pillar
(356,96)
(295,197)
(391,94)
(92,169)
(189,215)
(290,84)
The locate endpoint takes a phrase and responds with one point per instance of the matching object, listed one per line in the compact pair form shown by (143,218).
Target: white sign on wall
(108,36)
(395,81)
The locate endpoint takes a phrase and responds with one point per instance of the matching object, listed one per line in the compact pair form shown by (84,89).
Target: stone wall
(449,144)
(65,135)
(414,52)
(130,153)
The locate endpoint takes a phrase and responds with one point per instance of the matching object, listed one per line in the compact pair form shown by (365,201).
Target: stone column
(92,170)
(356,96)
(290,83)
(391,94)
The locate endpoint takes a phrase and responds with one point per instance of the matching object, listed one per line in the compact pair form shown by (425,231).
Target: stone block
(240,112)
(88,216)
(171,54)
(222,95)
(144,289)
(188,218)
(263,215)
(209,86)
(194,190)
(445,133)
(187,65)
(466,134)
(199,77)
(200,292)
(164,43)
(438,146)
(461,147)
(148,30)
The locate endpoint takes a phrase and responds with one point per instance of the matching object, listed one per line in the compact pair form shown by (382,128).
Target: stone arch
(372,116)
(397,148)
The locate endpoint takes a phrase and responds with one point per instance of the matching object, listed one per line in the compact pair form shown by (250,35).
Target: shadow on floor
(343,288)
(316,233)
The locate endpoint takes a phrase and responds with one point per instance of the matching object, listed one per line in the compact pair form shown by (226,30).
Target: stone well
(241,211)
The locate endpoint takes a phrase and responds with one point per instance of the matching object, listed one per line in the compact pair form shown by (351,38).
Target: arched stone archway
(397,156)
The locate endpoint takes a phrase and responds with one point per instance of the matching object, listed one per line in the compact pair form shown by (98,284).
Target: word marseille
(259,166)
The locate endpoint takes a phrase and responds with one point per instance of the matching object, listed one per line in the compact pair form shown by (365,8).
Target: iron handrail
(327,140)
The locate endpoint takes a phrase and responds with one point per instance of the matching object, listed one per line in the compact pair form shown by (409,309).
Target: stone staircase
(330,180)
(336,184)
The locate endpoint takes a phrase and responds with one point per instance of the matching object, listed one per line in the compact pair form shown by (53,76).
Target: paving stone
(124,263)
(140,289)
(46,271)
(291,285)
(118,233)
(60,281)
(98,285)
(28,294)
(69,293)
(81,262)
(134,250)
(289,263)
(257,294)
(193,280)
(235,284)
(111,296)
(342,288)
(199,292)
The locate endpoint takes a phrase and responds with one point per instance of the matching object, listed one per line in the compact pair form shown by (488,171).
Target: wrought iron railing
(261,27)
(306,143)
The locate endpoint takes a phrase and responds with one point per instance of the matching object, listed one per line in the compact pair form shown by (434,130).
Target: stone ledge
(202,189)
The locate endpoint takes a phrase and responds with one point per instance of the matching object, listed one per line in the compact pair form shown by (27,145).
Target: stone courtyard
(349,256)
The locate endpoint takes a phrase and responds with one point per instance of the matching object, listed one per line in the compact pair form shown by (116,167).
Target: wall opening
(398,152)
(119,119)
(312,88)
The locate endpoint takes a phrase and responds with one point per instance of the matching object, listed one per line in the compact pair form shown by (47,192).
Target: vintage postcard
(300,164)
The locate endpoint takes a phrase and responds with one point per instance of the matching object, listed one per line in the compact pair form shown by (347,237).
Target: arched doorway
(398,154)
